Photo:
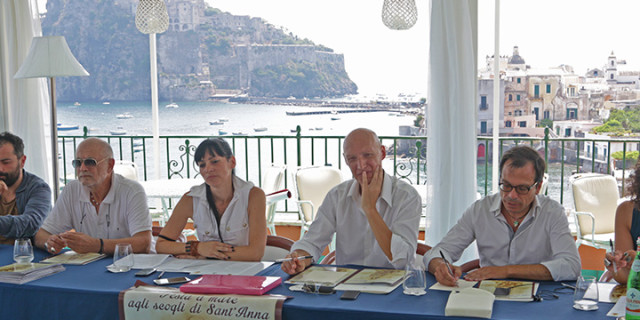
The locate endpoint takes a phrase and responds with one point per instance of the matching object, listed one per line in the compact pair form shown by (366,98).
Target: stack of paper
(72,257)
(510,290)
(470,302)
(22,273)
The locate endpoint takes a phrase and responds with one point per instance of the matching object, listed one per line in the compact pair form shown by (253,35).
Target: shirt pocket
(236,233)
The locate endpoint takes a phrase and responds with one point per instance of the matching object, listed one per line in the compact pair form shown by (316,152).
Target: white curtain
(24,103)
(451,115)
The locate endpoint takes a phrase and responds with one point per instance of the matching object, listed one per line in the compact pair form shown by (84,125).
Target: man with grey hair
(374,216)
(103,208)
(520,233)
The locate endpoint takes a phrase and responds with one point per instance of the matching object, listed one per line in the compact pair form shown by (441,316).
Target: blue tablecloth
(396,305)
(91,292)
(79,292)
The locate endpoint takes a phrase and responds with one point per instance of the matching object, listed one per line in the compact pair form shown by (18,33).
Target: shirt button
(244,225)
(207,233)
(228,228)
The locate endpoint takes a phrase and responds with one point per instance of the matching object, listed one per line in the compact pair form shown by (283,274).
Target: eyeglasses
(521,189)
(88,162)
(316,288)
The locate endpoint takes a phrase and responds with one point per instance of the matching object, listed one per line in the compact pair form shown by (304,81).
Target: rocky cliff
(221,52)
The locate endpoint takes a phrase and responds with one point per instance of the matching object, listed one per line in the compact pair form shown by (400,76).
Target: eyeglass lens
(88,162)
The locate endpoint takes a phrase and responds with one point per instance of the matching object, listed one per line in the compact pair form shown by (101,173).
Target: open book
(326,276)
(72,257)
(510,290)
(21,273)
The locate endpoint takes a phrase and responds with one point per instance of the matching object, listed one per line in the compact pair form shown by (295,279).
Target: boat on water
(216,123)
(238,133)
(260,129)
(172,105)
(318,128)
(76,103)
(106,102)
(138,148)
(119,131)
(335,118)
(125,115)
(222,132)
(67,127)
(223,119)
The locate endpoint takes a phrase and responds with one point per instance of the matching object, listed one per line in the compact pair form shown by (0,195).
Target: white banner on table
(144,303)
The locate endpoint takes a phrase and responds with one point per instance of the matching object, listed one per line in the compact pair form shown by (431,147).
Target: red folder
(217,283)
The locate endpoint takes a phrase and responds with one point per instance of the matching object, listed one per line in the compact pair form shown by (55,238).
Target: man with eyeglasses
(25,199)
(519,233)
(102,207)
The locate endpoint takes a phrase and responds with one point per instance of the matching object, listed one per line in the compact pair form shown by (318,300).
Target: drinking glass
(123,257)
(22,251)
(585,297)
(415,280)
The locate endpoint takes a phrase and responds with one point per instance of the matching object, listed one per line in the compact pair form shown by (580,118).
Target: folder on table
(218,283)
(470,302)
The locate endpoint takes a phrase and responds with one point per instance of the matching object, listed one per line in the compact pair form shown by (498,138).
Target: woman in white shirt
(228,212)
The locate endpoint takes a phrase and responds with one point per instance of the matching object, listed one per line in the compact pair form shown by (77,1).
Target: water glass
(22,251)
(585,297)
(122,257)
(415,280)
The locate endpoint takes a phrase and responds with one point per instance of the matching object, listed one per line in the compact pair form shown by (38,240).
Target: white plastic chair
(126,169)
(595,197)
(312,185)
(272,180)
(277,248)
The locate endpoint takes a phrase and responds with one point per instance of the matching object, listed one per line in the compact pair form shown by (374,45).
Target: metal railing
(406,155)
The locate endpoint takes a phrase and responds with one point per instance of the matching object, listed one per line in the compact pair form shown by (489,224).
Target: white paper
(199,266)
(618,309)
(462,284)
(146,260)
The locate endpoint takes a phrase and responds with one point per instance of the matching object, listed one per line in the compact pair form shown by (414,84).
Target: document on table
(461,285)
(200,266)
(618,309)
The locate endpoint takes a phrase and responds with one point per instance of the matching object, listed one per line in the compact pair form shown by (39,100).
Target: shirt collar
(496,202)
(109,198)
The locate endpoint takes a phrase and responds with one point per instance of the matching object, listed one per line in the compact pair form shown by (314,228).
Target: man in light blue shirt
(520,234)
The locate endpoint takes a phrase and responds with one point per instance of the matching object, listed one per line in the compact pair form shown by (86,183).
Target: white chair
(126,169)
(312,185)
(544,184)
(277,248)
(272,181)
(595,197)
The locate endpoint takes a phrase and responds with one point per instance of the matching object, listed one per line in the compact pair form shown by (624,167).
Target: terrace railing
(406,156)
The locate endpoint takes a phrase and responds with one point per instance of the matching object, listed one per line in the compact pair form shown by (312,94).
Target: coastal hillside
(205,54)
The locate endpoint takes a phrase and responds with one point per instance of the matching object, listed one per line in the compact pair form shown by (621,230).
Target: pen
(446,263)
(289,259)
(161,274)
(615,267)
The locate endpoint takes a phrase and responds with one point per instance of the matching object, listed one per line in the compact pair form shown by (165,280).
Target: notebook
(470,302)
(218,283)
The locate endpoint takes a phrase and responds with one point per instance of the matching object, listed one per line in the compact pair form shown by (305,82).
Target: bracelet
(101,246)
(191,247)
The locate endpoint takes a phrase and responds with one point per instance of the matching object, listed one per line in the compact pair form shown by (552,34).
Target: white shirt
(542,238)
(234,223)
(399,206)
(123,212)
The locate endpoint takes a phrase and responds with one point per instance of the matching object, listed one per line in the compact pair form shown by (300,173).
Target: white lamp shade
(50,56)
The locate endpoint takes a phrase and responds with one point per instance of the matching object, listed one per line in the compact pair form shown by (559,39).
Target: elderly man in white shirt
(102,207)
(520,234)
(374,216)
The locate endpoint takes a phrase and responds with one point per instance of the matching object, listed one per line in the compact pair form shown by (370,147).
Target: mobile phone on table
(350,295)
(145,272)
(165,281)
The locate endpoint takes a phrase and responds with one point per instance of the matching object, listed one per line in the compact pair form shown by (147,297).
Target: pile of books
(22,273)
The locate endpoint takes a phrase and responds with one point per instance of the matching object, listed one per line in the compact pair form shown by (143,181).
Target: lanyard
(216,214)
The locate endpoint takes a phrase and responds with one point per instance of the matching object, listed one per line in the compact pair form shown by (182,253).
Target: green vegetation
(419,121)
(546,123)
(622,121)
(631,155)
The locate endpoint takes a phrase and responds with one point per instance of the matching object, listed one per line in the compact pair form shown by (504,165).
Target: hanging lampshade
(152,16)
(399,14)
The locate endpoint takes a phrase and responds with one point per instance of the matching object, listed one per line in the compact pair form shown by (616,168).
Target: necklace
(93,200)
(516,221)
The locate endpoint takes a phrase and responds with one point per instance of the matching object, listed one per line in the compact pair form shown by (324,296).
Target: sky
(580,33)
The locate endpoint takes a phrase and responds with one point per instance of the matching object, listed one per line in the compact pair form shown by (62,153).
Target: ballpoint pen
(161,274)
(291,258)
(447,263)
(615,267)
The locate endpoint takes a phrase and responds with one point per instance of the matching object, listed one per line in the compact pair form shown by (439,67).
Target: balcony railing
(406,156)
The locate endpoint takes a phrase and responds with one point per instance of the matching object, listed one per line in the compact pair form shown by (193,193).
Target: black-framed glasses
(88,162)
(521,189)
